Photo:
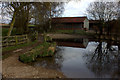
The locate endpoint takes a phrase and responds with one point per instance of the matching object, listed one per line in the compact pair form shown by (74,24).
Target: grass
(17,46)
(41,50)
(14,32)
(80,32)
(5,31)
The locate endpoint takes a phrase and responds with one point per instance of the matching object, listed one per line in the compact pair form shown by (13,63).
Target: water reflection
(99,59)
(104,61)
(48,62)
(81,43)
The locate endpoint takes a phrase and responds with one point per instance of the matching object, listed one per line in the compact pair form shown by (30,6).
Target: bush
(39,51)
(47,53)
(27,58)
(32,35)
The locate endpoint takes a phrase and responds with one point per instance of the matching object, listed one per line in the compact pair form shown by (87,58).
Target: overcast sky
(76,8)
(72,8)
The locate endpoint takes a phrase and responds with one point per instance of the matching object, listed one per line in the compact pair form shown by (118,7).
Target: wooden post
(27,38)
(36,35)
(7,43)
(16,40)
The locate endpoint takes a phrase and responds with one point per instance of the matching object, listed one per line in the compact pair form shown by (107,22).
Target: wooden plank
(14,40)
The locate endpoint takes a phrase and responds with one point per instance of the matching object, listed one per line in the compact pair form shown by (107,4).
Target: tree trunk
(12,23)
(50,17)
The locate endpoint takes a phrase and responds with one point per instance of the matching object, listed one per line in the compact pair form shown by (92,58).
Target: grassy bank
(43,50)
(17,46)
(80,32)
(8,49)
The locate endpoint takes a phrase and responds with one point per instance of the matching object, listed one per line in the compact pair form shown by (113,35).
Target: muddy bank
(13,68)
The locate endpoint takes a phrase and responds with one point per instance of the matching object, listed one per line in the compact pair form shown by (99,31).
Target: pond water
(88,59)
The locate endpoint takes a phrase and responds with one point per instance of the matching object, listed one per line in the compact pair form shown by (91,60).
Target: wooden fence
(14,40)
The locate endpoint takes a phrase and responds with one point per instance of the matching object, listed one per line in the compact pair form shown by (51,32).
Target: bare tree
(103,12)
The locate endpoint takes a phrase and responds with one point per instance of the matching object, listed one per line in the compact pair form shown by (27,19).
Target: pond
(84,58)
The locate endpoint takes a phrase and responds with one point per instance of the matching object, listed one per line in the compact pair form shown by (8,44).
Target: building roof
(68,19)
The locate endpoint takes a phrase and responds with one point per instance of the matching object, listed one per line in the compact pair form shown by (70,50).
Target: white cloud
(4,19)
(76,8)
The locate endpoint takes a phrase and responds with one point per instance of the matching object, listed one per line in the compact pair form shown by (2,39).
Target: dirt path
(13,68)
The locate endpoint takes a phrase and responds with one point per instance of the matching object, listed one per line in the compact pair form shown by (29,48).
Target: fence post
(16,40)
(27,38)
(7,40)
(7,43)
(36,35)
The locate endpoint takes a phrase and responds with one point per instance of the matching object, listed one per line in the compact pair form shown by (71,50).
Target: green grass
(39,51)
(81,32)
(78,32)
(14,32)
(17,46)
(5,31)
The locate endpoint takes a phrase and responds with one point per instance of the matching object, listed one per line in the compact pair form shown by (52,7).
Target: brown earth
(13,68)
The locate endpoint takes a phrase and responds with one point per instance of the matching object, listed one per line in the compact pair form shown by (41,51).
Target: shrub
(39,51)
(26,58)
